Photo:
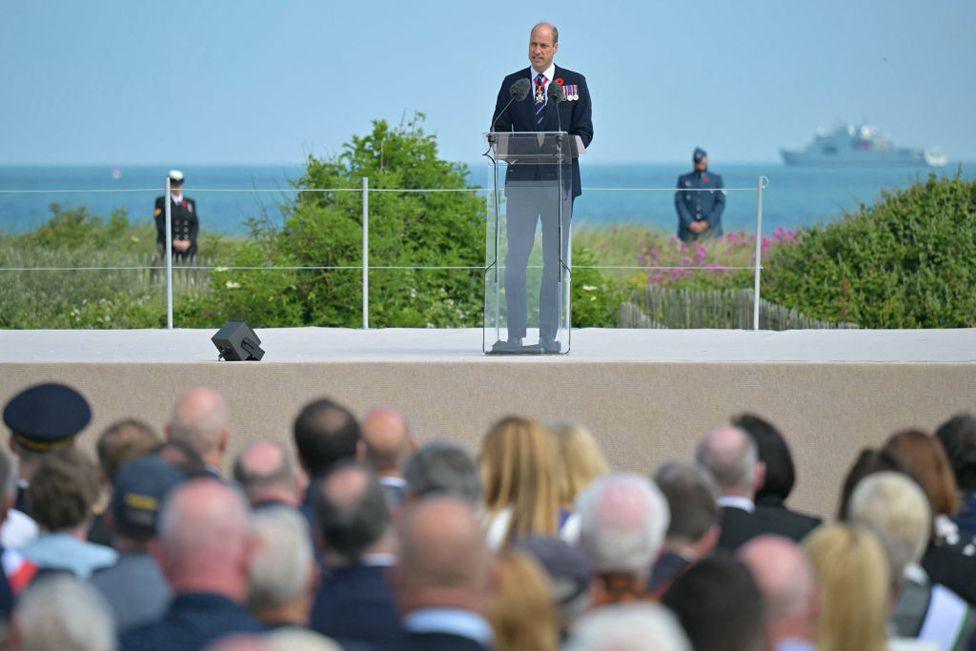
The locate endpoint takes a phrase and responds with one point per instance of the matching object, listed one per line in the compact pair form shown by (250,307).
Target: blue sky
(251,81)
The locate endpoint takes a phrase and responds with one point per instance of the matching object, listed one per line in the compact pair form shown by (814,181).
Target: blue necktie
(540,98)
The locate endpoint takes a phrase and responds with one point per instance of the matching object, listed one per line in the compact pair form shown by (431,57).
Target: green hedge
(908,261)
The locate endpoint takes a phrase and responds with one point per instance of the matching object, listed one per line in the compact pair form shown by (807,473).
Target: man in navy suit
(525,184)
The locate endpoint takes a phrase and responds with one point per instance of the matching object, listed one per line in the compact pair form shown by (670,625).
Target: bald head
(444,559)
(386,440)
(204,539)
(352,512)
(787,583)
(266,473)
(201,420)
(730,455)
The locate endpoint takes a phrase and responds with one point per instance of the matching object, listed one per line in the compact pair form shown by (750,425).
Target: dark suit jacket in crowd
(739,526)
(953,569)
(773,507)
(191,622)
(667,568)
(355,604)
(576,118)
(437,642)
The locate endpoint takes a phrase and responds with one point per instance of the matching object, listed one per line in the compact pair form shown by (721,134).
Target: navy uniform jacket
(575,115)
(699,206)
(184,219)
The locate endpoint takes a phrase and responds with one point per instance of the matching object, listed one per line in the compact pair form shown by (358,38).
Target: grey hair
(614,534)
(692,500)
(634,627)
(198,425)
(442,468)
(555,32)
(60,612)
(293,638)
(280,569)
(729,471)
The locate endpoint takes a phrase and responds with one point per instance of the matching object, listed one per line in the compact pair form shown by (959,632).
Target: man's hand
(181,245)
(698,227)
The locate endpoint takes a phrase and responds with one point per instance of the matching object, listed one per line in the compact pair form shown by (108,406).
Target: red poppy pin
(559,80)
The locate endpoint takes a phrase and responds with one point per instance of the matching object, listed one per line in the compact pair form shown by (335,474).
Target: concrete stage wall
(647,395)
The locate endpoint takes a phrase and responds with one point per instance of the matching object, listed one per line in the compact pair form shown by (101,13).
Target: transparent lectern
(527,266)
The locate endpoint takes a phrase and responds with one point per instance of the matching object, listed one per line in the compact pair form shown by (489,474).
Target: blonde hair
(852,571)
(521,472)
(522,612)
(583,461)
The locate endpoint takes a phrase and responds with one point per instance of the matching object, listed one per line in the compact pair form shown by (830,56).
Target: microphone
(518,91)
(556,94)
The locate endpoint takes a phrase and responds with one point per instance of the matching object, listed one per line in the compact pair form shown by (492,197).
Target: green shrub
(908,261)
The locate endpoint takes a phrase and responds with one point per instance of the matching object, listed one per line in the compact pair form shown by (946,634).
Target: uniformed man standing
(183,214)
(699,213)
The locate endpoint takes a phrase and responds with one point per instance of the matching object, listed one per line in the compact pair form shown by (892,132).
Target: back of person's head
(582,460)
(896,510)
(265,472)
(774,453)
(521,470)
(692,501)
(122,442)
(521,611)
(204,540)
(786,580)
(64,490)
(623,518)
(443,559)
(442,468)
(387,441)
(60,612)
(958,437)
(351,511)
(732,458)
(869,461)
(182,457)
(201,420)
(325,433)
(852,571)
(719,605)
(926,461)
(283,563)
(628,627)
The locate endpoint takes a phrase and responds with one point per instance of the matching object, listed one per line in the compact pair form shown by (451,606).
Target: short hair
(773,451)
(729,471)
(718,604)
(635,627)
(350,529)
(552,28)
(325,432)
(958,436)
(199,418)
(253,482)
(61,612)
(926,461)
(692,500)
(623,518)
(896,510)
(280,569)
(64,490)
(868,462)
(122,442)
(442,468)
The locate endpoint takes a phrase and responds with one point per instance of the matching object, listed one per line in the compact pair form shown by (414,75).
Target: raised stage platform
(646,394)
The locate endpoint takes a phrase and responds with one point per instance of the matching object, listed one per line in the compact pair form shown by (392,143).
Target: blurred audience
(283,573)
(629,627)
(623,519)
(694,528)
(59,612)
(521,610)
(791,600)
(446,469)
(134,587)
(958,437)
(521,470)
(568,573)
(354,603)
(386,444)
(582,461)
(265,472)
(201,420)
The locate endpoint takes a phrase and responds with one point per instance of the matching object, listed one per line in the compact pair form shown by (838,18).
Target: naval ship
(861,145)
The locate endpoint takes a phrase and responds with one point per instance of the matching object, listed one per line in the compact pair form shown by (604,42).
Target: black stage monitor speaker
(236,342)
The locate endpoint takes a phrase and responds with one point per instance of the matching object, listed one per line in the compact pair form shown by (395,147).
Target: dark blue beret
(46,416)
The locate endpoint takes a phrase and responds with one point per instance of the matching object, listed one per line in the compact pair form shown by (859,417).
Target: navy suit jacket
(192,622)
(437,642)
(575,116)
(355,604)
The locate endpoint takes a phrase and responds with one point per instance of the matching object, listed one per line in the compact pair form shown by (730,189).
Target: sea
(228,196)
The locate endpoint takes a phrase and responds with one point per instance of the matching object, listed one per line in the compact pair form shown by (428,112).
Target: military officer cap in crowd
(176,178)
(46,416)
(699,154)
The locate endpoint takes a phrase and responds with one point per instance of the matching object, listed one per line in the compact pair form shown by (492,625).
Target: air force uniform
(694,205)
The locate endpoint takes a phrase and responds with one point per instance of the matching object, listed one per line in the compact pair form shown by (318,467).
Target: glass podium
(528,270)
